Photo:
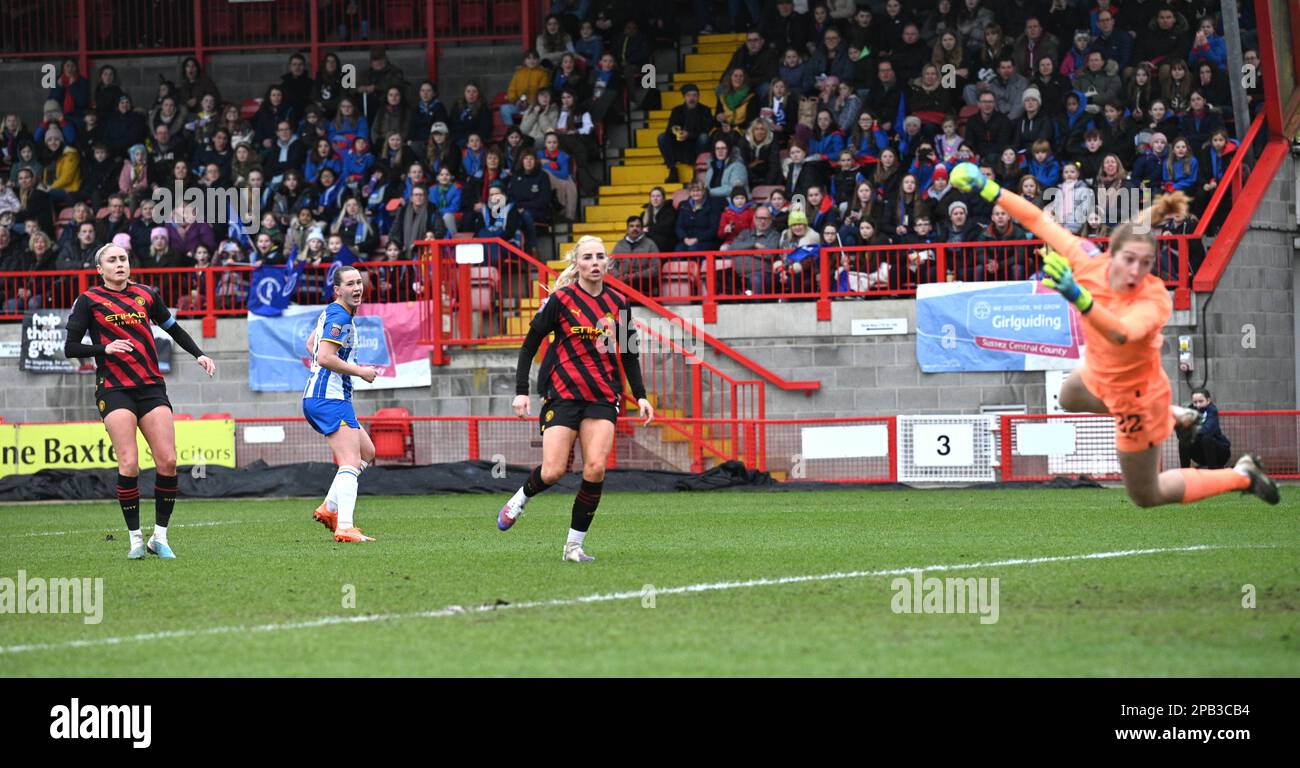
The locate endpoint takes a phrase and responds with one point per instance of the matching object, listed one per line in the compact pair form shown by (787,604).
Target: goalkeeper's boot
(573,553)
(351,535)
(509,514)
(160,548)
(1261,485)
(137,551)
(325,517)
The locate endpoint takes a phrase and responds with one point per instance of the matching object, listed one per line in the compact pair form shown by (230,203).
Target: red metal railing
(86,29)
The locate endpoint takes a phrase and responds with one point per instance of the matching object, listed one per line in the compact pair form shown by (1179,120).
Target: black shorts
(570,413)
(138,400)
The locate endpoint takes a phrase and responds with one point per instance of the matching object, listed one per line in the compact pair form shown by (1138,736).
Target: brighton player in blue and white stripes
(327,403)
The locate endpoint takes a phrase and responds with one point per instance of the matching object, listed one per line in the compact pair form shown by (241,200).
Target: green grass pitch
(260,589)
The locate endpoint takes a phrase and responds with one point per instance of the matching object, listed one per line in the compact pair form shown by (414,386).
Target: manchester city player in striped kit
(327,403)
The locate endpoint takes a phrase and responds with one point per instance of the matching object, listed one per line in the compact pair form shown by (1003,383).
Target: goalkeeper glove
(1060,278)
(967,177)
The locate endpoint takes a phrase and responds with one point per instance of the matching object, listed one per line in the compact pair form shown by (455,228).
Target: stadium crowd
(861,108)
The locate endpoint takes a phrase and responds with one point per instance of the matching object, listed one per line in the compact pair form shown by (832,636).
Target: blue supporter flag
(273,286)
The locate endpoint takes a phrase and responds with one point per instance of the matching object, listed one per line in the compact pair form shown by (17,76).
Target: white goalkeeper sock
(575,537)
(160,533)
(345,485)
(516,503)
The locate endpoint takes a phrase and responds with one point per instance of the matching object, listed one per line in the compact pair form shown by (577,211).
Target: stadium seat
(291,18)
(484,283)
(256,21)
(215,416)
(680,278)
(182,417)
(391,432)
(220,22)
(505,14)
(764,191)
(473,15)
(442,16)
(248,108)
(399,16)
(680,196)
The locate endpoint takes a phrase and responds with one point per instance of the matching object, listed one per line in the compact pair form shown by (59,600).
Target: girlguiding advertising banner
(1011,326)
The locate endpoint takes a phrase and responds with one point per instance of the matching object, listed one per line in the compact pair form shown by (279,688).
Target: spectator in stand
(321,156)
(187,233)
(314,125)
(1008,88)
(726,170)
(415,220)
(288,152)
(99,177)
(355,228)
(567,75)
(246,161)
(738,216)
(687,136)
(633,52)
(887,98)
(62,170)
(961,261)
(1072,201)
(642,274)
(530,187)
(553,42)
(528,80)
(757,61)
(297,84)
(441,152)
(604,88)
(589,45)
(797,73)
(381,76)
(1180,169)
(1209,46)
(1001,262)
(393,117)
(117,221)
(240,130)
(577,135)
(56,122)
(1165,39)
(759,152)
(274,110)
(329,85)
(107,91)
(71,91)
(754,271)
(1034,44)
(1114,44)
(697,221)
(781,109)
(348,124)
(470,114)
(786,29)
(140,232)
(1043,165)
(193,84)
(1200,121)
(428,111)
(987,130)
(445,198)
(659,218)
(559,166)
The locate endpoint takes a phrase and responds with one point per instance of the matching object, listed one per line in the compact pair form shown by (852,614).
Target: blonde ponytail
(570,273)
(1145,225)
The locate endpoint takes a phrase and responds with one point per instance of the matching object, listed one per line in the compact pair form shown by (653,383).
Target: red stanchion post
(824,284)
(697,408)
(473,439)
(710,310)
(210,302)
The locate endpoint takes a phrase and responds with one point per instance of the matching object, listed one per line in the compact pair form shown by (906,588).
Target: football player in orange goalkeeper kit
(1124,307)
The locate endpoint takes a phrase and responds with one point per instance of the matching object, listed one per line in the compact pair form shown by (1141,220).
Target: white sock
(517,503)
(137,538)
(332,498)
(345,484)
(160,533)
(577,537)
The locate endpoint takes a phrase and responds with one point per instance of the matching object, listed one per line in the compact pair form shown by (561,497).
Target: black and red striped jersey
(589,332)
(126,314)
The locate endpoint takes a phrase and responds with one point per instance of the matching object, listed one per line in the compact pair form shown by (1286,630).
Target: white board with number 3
(943,445)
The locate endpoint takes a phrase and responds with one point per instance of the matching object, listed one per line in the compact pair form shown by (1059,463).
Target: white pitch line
(108,530)
(454,610)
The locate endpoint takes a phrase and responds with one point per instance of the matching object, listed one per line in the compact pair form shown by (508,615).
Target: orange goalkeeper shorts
(1142,416)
